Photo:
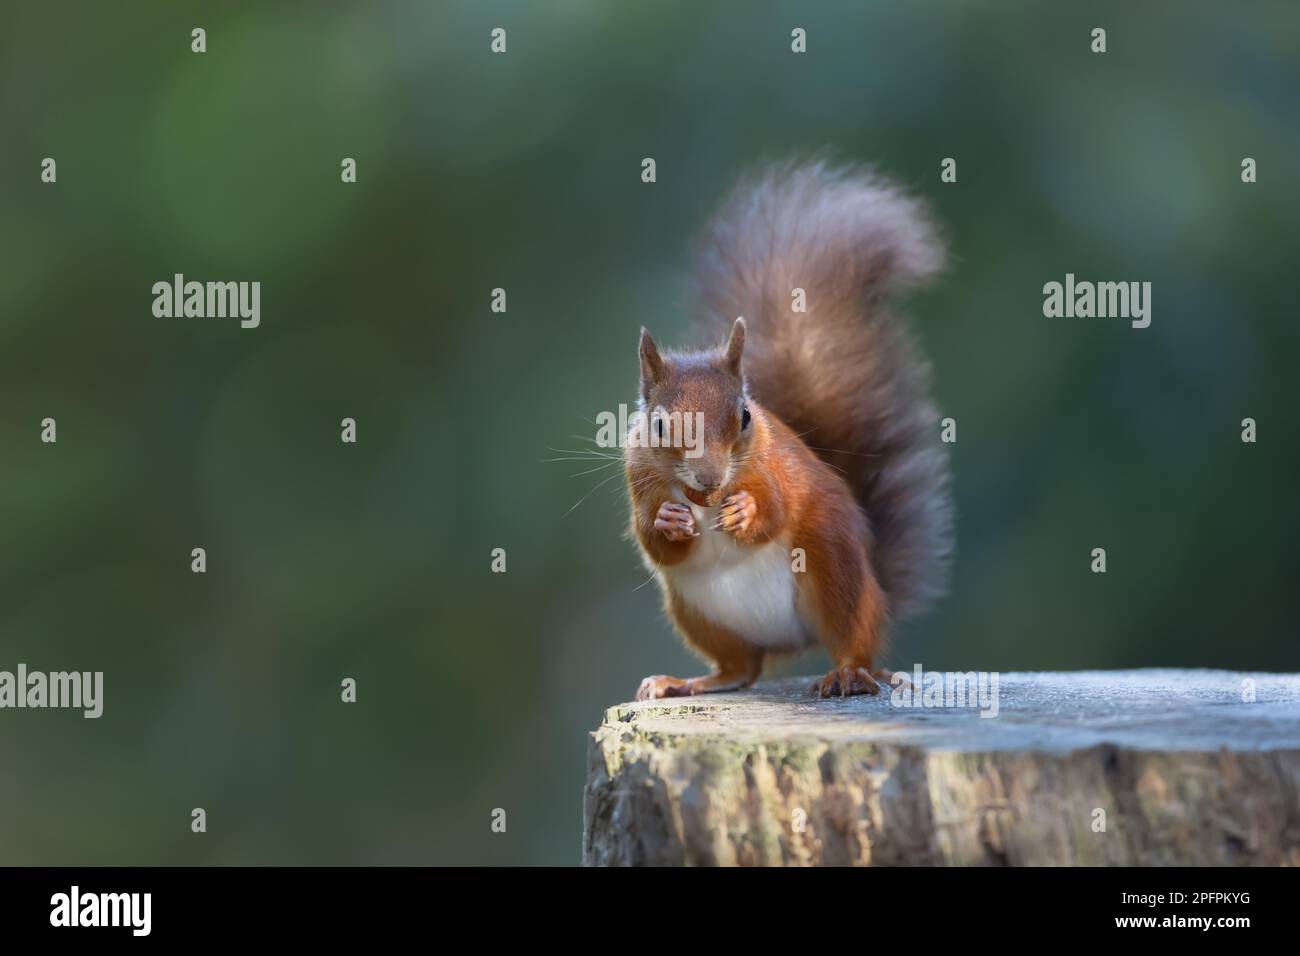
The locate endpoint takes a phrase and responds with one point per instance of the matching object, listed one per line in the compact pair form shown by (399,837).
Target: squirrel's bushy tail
(844,374)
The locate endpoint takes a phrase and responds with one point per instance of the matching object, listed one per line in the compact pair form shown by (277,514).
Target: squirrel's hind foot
(849,682)
(653,688)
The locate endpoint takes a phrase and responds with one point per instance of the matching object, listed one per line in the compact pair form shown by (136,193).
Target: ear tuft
(652,363)
(735,348)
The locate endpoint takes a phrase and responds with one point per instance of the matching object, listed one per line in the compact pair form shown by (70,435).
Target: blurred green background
(521,171)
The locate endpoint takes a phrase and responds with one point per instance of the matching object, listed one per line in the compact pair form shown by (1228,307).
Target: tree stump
(1145,767)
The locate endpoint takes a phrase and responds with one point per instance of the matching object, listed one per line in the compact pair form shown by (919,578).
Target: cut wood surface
(1146,767)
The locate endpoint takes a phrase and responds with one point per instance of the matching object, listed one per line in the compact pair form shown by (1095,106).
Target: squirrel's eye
(744,418)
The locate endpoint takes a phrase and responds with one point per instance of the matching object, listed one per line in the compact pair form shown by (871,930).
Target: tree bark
(1152,767)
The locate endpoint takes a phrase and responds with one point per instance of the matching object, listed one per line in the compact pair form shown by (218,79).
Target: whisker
(581,455)
(843,451)
(583,451)
(588,495)
(647,580)
(592,471)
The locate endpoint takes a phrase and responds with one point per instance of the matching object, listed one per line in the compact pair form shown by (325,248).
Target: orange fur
(861,487)
(798,499)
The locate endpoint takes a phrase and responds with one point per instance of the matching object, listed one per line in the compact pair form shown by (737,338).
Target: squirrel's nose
(707,480)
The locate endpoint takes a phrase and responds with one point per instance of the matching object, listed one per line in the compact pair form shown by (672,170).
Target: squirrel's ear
(735,347)
(652,363)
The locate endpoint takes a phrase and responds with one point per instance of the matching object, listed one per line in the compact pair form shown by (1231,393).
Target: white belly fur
(748,589)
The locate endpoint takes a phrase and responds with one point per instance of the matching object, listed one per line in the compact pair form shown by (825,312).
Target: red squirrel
(813,505)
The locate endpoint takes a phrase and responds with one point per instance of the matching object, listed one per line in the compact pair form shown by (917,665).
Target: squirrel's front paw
(737,512)
(675,522)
